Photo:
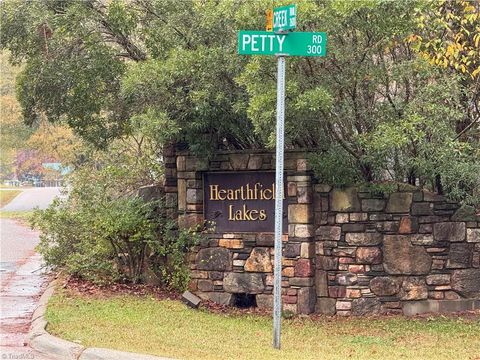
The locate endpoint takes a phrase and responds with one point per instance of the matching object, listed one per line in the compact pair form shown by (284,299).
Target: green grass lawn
(7,195)
(24,216)
(169,328)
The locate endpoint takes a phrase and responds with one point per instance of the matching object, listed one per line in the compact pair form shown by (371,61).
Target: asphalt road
(22,277)
(30,199)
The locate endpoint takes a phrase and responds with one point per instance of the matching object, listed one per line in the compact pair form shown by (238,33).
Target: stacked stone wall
(345,252)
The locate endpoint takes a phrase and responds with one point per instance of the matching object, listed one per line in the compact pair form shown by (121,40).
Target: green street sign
(285,18)
(291,44)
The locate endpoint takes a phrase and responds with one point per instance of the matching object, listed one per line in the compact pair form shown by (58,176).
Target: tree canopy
(396,97)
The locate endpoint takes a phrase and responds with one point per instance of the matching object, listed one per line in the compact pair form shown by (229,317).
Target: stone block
(353,228)
(301,281)
(363,239)
(325,306)
(421,239)
(182,194)
(408,225)
(288,271)
(401,257)
(205,285)
(337,291)
(385,285)
(265,239)
(189,221)
(292,189)
(449,231)
(342,218)
(473,235)
(264,301)
(356,269)
(304,268)
(259,261)
(221,298)
(231,243)
(303,231)
(322,188)
(239,161)
(373,204)
(291,250)
(307,250)
(346,279)
(306,300)
(344,200)
(299,214)
(424,208)
(399,202)
(327,262)
(366,306)
(218,259)
(466,282)
(413,288)
(249,283)
(255,162)
(304,194)
(328,233)
(194,196)
(438,279)
(460,256)
(321,283)
(357,217)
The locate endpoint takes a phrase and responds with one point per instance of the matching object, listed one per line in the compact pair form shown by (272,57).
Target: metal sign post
(277,271)
(281,42)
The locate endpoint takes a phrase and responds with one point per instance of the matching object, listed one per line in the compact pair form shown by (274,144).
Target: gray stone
(239,161)
(301,281)
(191,300)
(194,196)
(255,162)
(265,239)
(466,282)
(205,285)
(306,300)
(292,250)
(414,288)
(321,283)
(55,348)
(344,200)
(421,239)
(365,306)
(384,286)
(353,228)
(399,202)
(325,306)
(249,283)
(373,204)
(363,239)
(449,231)
(264,301)
(422,208)
(218,259)
(329,233)
(412,308)
(221,298)
(401,257)
(460,256)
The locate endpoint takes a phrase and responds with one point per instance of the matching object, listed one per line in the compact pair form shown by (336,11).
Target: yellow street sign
(269,25)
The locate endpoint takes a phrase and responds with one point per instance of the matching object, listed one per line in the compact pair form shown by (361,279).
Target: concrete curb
(55,348)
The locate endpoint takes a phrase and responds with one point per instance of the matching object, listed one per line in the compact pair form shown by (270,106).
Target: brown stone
(288,271)
(373,204)
(337,291)
(353,293)
(189,221)
(182,194)
(414,288)
(451,295)
(384,286)
(291,250)
(327,262)
(301,281)
(231,243)
(363,239)
(259,261)
(303,230)
(401,257)
(328,233)
(304,194)
(194,196)
(369,255)
(356,269)
(425,208)
(399,202)
(344,200)
(302,165)
(346,279)
(438,279)
(205,285)
(292,189)
(307,250)
(304,268)
(466,282)
(265,239)
(408,225)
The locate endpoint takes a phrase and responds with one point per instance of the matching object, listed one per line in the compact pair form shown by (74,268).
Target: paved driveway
(22,278)
(29,199)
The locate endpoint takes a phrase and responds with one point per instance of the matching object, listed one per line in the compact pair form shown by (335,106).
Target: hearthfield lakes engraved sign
(241,201)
